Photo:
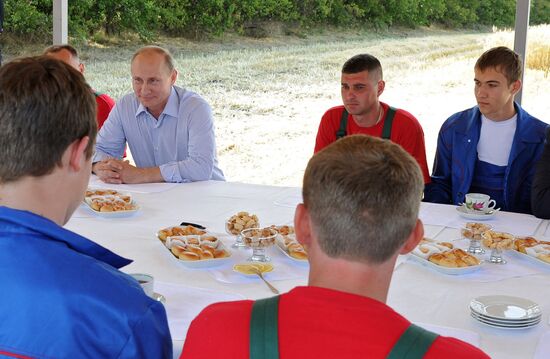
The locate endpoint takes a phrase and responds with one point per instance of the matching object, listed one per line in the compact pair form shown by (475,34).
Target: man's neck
(44,196)
(504,114)
(371,118)
(352,277)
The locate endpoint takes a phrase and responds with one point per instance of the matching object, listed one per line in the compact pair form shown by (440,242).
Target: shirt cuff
(170,173)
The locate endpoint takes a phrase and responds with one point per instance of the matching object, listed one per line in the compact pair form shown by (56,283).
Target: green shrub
(29,19)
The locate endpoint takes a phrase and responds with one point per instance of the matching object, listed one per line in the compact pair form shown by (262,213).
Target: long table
(418,292)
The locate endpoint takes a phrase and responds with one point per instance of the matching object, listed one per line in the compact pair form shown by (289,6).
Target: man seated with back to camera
(62,294)
(360,211)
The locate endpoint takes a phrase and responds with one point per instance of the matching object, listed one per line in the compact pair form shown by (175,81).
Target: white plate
(204,263)
(445,270)
(507,322)
(481,216)
(281,246)
(501,326)
(505,307)
(532,259)
(116,214)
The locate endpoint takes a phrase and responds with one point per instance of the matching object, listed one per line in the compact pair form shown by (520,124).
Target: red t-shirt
(313,323)
(104,106)
(406,131)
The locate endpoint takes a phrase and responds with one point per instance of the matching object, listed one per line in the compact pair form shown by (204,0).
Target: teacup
(479,202)
(146,281)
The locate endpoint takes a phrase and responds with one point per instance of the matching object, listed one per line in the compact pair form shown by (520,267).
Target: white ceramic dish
(531,259)
(116,214)
(281,246)
(265,268)
(477,215)
(510,323)
(498,326)
(505,307)
(204,263)
(445,270)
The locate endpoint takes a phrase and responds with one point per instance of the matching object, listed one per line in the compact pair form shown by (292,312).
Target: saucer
(476,215)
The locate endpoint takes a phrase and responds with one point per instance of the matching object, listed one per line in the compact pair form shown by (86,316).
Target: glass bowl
(259,239)
(497,242)
(473,232)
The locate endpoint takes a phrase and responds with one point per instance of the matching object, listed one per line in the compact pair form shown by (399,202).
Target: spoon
(259,273)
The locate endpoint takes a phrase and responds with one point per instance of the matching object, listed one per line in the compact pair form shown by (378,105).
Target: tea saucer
(476,215)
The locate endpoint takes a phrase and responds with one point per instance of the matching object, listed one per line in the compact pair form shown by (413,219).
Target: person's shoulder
(452,348)
(333,114)
(104,99)
(535,123)
(220,312)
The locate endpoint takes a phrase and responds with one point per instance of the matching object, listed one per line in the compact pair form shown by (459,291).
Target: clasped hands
(117,171)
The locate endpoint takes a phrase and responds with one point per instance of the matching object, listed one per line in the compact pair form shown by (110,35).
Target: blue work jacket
(62,296)
(457,154)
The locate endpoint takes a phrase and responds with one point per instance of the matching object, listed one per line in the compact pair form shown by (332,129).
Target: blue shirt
(181,142)
(62,296)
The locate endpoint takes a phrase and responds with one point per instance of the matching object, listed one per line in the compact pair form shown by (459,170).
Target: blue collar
(25,221)
(171,108)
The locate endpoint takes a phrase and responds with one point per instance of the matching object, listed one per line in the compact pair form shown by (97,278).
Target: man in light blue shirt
(169,130)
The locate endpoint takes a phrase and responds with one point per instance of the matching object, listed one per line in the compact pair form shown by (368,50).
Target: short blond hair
(363,195)
(168,59)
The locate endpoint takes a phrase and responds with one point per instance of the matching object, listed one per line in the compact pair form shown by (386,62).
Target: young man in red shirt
(360,211)
(69,55)
(363,113)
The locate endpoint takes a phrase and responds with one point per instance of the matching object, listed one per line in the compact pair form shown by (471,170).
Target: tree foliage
(199,18)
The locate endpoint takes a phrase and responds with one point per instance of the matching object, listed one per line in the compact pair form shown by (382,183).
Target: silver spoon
(259,273)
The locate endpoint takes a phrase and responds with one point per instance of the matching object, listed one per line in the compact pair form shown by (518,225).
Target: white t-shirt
(495,140)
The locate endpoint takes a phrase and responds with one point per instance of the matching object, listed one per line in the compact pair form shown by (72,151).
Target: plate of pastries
(194,247)
(110,203)
(287,243)
(532,249)
(445,258)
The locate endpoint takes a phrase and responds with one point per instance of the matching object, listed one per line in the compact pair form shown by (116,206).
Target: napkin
(462,334)
(543,347)
(184,303)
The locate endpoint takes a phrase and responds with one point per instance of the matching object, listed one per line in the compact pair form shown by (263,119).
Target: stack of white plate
(506,312)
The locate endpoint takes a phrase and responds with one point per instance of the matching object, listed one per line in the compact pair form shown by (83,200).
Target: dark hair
(363,196)
(503,60)
(45,105)
(362,62)
(56,48)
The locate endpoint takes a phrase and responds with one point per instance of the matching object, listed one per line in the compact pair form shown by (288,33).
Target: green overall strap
(264,336)
(386,131)
(412,344)
(343,124)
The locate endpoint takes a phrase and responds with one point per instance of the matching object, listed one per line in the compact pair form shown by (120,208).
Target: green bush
(29,19)
(201,18)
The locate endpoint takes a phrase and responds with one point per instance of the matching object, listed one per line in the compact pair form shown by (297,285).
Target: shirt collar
(171,108)
(51,231)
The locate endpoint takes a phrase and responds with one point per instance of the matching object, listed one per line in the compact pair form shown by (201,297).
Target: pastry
(241,221)
(455,258)
(497,240)
(189,256)
(473,230)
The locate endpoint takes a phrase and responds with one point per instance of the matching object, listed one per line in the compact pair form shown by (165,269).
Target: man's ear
(381,85)
(516,86)
(81,68)
(414,238)
(302,225)
(174,76)
(77,153)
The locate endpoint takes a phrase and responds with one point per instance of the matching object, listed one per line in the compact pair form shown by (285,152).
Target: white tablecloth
(417,292)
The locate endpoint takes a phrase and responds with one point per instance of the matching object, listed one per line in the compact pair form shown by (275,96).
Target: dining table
(437,300)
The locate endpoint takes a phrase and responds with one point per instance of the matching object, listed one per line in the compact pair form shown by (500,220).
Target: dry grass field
(268,95)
